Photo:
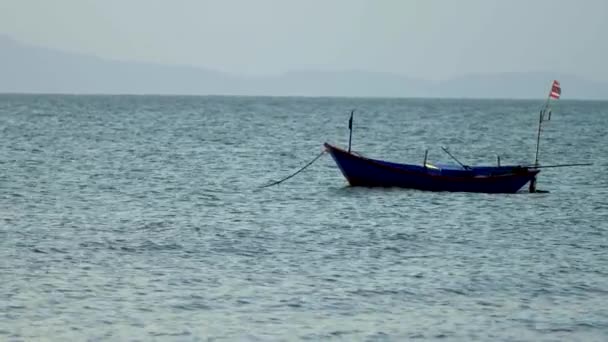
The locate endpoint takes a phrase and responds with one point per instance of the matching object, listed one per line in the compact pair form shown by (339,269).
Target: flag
(556,90)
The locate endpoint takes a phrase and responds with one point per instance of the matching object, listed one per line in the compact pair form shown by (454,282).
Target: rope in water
(295,173)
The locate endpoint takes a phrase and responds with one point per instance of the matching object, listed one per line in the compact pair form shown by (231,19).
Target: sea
(144,218)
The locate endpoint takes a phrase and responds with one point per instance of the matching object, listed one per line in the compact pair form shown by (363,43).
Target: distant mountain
(518,85)
(32,69)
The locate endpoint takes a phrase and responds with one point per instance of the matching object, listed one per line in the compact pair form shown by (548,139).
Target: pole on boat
(541,117)
(458,161)
(561,165)
(554,93)
(498,160)
(532,187)
(426,154)
(350,128)
(540,124)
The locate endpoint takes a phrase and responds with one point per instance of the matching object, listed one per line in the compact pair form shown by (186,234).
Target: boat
(367,172)
(363,171)
(360,170)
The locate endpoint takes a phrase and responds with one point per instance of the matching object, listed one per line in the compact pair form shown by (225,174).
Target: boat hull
(362,171)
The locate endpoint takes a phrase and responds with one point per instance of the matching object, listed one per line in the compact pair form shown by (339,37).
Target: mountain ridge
(26,68)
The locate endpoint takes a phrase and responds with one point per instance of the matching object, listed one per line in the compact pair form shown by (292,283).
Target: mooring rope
(295,173)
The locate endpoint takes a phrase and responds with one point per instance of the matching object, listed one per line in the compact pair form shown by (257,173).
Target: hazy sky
(429,39)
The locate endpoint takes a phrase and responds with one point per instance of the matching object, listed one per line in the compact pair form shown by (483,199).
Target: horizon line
(296,96)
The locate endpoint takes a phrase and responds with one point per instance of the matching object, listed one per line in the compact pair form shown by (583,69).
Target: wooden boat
(363,171)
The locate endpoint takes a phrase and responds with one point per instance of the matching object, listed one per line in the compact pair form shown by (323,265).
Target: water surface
(138,217)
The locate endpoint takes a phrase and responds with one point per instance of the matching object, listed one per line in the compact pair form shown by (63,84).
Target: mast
(350,128)
(541,118)
(554,93)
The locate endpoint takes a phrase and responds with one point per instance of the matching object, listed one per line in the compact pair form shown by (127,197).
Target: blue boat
(362,171)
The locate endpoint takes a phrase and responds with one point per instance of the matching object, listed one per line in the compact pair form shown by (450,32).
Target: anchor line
(295,173)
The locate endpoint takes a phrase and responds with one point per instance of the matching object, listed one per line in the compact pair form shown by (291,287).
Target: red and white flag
(556,90)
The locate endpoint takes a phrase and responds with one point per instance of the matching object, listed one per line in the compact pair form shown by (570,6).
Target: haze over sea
(139,218)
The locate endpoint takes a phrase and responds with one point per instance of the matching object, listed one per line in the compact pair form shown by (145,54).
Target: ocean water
(140,218)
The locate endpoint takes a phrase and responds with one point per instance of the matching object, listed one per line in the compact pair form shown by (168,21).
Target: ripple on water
(136,218)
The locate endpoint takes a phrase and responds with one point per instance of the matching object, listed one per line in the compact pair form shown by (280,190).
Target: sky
(426,39)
